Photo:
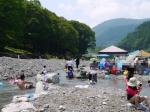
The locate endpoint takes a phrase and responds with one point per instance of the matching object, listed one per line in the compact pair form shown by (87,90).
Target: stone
(104,103)
(62,108)
(16,107)
(46,106)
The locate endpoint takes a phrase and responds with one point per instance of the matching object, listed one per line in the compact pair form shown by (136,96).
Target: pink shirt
(131,91)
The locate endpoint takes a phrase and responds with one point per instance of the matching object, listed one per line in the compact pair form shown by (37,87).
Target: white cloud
(93,12)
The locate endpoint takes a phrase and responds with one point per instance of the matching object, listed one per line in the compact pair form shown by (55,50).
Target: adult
(69,64)
(22,84)
(133,91)
(92,76)
(77,62)
(94,65)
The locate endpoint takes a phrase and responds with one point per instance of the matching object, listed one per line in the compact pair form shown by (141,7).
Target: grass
(16,51)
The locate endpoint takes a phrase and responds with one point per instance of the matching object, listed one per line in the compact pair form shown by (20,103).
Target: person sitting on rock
(133,94)
(22,84)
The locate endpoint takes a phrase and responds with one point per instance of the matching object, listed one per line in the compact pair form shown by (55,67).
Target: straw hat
(132,82)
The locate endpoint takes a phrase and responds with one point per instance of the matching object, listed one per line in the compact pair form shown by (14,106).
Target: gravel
(11,67)
(92,99)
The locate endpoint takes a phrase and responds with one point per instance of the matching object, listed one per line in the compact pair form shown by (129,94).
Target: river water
(7,91)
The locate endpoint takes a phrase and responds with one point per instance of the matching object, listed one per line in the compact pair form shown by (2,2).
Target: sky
(94,12)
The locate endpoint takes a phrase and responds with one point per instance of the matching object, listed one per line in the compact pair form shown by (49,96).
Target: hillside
(139,39)
(28,28)
(112,31)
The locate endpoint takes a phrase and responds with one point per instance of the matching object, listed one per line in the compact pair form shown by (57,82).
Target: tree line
(139,39)
(26,25)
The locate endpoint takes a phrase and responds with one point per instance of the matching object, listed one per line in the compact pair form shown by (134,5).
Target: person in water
(133,90)
(22,84)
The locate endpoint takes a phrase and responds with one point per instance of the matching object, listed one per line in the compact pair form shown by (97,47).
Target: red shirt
(131,91)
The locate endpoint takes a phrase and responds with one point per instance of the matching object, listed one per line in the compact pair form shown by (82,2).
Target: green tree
(86,36)
(139,39)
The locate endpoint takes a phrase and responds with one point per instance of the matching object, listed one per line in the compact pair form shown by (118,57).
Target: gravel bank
(90,99)
(11,66)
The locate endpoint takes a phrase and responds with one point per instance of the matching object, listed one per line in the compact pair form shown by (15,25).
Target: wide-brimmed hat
(132,82)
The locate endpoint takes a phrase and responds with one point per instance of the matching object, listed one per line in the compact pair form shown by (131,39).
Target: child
(148,83)
(107,75)
(139,86)
(102,73)
(126,73)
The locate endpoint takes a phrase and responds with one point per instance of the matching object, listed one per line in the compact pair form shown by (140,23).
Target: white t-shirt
(69,63)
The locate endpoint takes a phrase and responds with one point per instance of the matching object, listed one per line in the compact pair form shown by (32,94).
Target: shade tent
(102,55)
(137,53)
(113,50)
(143,53)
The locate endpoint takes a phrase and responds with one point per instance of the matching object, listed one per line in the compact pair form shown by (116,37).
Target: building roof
(113,50)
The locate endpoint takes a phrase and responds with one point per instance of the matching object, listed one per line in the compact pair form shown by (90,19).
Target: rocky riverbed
(10,67)
(83,100)
(66,98)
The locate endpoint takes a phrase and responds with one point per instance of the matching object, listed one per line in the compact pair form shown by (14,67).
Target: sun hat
(132,82)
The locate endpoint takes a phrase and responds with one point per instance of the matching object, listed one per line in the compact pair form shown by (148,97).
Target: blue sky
(93,12)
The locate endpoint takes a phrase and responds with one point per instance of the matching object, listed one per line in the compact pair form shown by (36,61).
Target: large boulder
(52,78)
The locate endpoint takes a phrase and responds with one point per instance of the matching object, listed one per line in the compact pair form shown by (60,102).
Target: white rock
(61,107)
(39,90)
(104,103)
(16,107)
(82,86)
(19,99)
(52,77)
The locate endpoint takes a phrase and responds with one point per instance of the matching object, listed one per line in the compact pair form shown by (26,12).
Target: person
(69,65)
(22,84)
(107,73)
(77,62)
(70,74)
(133,96)
(125,74)
(113,70)
(94,65)
(92,76)
(44,71)
(102,72)
(149,83)
(139,85)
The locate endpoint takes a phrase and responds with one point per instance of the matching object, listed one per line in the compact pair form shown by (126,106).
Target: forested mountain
(139,39)
(27,27)
(112,31)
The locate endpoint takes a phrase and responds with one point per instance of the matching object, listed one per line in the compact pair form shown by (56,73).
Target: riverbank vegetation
(26,26)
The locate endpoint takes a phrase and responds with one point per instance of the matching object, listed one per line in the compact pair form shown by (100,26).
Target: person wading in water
(22,84)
